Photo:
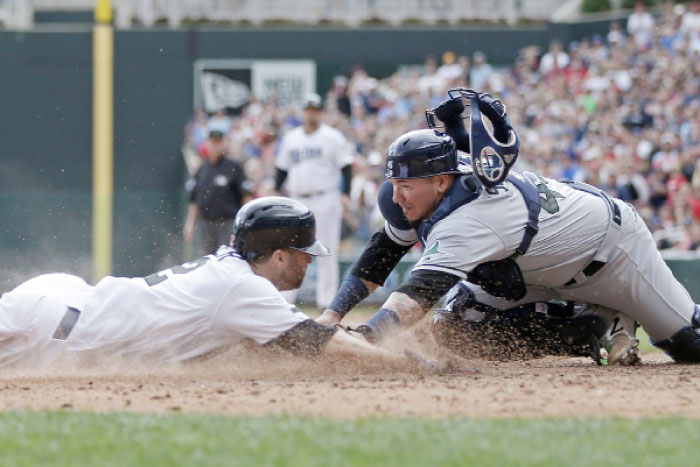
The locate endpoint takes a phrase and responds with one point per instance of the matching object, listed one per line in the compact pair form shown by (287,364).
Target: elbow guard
(427,287)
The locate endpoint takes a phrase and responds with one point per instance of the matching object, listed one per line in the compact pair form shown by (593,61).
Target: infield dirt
(243,382)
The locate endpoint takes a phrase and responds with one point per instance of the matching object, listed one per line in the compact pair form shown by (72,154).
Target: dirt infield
(244,383)
(547,387)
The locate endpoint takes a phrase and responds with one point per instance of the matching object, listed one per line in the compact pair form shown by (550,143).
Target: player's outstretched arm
(408,303)
(309,339)
(344,344)
(360,290)
(379,258)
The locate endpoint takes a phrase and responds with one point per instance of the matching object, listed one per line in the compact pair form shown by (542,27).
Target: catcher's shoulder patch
(434,254)
(433,249)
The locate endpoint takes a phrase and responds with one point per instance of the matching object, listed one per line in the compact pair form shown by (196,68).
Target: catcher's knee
(683,346)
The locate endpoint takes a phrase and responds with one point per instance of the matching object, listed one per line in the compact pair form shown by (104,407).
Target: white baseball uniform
(575,229)
(177,314)
(313,162)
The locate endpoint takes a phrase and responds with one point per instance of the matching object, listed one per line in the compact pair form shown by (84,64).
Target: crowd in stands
(620,111)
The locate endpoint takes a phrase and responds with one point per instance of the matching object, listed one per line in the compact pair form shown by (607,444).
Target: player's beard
(291,277)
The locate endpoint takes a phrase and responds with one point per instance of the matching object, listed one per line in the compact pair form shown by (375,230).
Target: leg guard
(683,346)
(527,331)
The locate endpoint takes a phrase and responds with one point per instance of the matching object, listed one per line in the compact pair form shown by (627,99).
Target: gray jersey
(576,229)
(491,228)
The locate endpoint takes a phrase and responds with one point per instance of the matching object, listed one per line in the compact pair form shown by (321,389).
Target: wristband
(352,291)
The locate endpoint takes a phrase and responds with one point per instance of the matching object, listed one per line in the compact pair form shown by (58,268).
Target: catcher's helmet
(422,153)
(275,222)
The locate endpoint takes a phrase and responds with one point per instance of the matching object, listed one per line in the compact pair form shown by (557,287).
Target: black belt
(595,266)
(67,323)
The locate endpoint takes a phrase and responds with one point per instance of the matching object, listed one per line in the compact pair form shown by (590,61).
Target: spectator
(431,84)
(640,25)
(616,36)
(217,191)
(555,60)
(220,122)
(616,112)
(339,93)
(480,72)
(450,70)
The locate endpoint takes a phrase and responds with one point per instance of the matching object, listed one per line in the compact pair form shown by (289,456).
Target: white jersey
(491,227)
(313,160)
(176,314)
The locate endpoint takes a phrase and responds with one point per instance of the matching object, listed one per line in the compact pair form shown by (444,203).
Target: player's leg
(636,280)
(208,234)
(328,213)
(30,314)
(474,323)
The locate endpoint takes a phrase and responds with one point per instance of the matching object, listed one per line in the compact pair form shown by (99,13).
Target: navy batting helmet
(422,153)
(275,222)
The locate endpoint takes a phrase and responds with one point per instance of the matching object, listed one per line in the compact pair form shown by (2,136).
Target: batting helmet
(275,222)
(422,153)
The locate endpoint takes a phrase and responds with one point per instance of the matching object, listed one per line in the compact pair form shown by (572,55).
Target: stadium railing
(19,14)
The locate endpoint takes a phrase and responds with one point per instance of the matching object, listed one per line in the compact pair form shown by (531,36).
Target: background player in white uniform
(183,312)
(311,158)
(581,246)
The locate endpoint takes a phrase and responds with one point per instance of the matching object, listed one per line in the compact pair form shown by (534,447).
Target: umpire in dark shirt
(219,190)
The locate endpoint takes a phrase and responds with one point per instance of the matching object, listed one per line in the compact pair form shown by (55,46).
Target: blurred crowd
(620,111)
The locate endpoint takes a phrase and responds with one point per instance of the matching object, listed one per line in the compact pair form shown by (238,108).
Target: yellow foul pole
(102,139)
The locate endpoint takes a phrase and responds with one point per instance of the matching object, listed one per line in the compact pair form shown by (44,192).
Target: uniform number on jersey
(159,277)
(549,198)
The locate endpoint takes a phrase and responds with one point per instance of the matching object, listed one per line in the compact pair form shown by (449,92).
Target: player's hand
(358,335)
(329,318)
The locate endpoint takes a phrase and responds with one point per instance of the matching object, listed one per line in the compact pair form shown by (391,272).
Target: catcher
(511,239)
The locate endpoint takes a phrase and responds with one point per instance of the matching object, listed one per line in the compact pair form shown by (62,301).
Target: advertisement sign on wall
(230,84)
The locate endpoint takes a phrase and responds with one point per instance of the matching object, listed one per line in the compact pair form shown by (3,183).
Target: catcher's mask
(275,222)
(492,153)
(422,153)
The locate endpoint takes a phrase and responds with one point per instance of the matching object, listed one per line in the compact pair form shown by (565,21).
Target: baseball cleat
(623,350)
(620,342)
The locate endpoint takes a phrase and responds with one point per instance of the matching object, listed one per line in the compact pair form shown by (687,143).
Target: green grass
(644,344)
(77,439)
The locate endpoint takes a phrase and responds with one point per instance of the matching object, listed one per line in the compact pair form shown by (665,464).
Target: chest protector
(501,278)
